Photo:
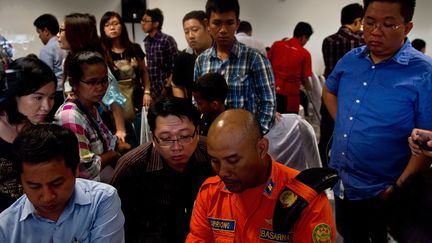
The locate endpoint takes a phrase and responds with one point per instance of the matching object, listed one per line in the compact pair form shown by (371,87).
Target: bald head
(235,122)
(237,150)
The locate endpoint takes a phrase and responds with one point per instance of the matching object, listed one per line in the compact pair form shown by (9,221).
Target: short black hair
(303,29)
(175,106)
(41,143)
(222,6)
(196,14)
(411,209)
(418,44)
(350,13)
(48,21)
(24,76)
(75,66)
(156,15)
(211,87)
(244,27)
(407,7)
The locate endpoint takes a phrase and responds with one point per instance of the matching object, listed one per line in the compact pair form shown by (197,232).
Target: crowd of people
(72,168)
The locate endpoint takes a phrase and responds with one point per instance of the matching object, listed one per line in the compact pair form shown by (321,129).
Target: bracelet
(146,92)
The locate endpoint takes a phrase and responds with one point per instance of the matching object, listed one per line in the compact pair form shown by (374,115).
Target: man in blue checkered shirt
(247,72)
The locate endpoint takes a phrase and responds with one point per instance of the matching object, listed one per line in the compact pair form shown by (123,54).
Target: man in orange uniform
(238,205)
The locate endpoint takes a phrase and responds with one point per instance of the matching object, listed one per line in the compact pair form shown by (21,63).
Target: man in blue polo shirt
(377,94)
(57,207)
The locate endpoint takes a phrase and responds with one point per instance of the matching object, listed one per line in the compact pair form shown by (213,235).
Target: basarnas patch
(322,234)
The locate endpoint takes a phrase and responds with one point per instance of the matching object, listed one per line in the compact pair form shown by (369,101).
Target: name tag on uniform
(266,234)
(222,224)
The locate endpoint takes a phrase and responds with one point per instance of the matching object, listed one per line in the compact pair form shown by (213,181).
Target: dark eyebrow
(56,180)
(51,182)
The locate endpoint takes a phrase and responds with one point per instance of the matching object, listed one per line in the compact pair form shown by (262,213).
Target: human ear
(263,145)
(408,28)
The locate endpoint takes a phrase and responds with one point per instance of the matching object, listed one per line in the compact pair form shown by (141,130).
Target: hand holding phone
(422,139)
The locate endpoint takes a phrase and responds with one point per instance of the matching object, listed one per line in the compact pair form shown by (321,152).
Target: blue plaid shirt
(161,50)
(250,80)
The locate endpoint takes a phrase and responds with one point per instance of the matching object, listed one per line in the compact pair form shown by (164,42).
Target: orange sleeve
(316,223)
(200,230)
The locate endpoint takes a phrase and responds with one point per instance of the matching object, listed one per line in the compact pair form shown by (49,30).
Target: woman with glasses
(78,33)
(89,80)
(127,59)
(27,92)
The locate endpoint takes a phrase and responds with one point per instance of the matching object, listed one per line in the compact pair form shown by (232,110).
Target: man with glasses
(158,181)
(377,94)
(161,51)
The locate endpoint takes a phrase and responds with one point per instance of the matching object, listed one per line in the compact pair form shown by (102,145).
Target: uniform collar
(272,186)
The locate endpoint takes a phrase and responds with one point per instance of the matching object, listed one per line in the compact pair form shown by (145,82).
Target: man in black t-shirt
(198,39)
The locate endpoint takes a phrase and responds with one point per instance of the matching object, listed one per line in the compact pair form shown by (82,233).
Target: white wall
(271,19)
(17,16)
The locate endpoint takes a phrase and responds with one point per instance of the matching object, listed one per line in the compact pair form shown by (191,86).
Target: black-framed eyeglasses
(103,81)
(181,140)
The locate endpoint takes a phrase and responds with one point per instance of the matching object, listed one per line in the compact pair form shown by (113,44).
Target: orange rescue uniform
(222,216)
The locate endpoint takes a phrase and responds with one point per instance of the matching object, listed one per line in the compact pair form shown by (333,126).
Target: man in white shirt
(244,35)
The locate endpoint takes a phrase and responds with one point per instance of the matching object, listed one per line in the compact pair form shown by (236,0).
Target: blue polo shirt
(378,106)
(93,214)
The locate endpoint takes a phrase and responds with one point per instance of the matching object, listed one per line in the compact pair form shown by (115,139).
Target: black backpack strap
(290,205)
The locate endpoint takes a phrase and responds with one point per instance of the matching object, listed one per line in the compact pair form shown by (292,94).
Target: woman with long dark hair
(78,33)
(127,59)
(27,92)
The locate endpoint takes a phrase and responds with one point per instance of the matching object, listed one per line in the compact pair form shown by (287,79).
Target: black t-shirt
(136,50)
(183,72)
(10,188)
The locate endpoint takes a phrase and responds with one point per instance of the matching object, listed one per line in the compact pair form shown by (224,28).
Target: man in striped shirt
(158,182)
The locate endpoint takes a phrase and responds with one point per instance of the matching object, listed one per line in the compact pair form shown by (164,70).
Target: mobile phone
(422,142)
